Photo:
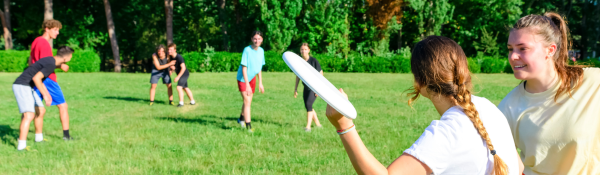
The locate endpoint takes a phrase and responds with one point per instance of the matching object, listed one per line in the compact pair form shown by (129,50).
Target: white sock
(181,102)
(192,102)
(39,137)
(22,144)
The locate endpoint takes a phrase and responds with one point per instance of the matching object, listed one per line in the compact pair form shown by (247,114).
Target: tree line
(124,33)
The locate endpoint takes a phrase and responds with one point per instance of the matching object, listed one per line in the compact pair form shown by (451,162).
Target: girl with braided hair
(471,137)
(554,113)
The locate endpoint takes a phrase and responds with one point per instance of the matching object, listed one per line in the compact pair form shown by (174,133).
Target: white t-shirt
(452,145)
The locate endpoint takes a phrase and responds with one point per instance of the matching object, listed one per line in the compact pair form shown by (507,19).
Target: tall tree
(8,44)
(169,15)
(48,14)
(223,18)
(431,15)
(278,16)
(112,35)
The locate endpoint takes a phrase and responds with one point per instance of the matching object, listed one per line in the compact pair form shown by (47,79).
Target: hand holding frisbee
(320,85)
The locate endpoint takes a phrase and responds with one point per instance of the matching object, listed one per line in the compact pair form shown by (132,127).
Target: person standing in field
(28,101)
(253,59)
(308,94)
(554,113)
(471,137)
(40,48)
(160,69)
(182,75)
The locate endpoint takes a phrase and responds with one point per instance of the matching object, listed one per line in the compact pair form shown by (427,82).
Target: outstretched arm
(158,66)
(362,160)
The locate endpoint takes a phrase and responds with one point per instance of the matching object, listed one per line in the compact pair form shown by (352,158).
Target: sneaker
(45,140)
(173,103)
(307,129)
(180,105)
(27,148)
(242,123)
(193,103)
(251,130)
(68,138)
(151,103)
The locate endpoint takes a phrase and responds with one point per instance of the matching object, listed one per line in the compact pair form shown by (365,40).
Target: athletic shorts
(183,79)
(27,99)
(242,85)
(157,74)
(54,90)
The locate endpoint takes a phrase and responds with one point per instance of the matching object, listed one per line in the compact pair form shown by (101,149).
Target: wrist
(344,125)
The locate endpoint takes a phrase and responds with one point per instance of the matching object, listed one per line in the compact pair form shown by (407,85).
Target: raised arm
(362,160)
(37,80)
(63,67)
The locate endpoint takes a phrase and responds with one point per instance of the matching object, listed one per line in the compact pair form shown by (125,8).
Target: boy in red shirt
(40,48)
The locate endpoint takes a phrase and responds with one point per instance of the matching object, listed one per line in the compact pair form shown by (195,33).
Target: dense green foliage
(118,133)
(82,61)
(340,28)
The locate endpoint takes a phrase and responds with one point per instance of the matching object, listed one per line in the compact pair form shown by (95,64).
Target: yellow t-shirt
(557,138)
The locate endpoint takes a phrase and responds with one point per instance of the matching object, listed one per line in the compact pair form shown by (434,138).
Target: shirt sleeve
(245,56)
(180,59)
(317,65)
(434,147)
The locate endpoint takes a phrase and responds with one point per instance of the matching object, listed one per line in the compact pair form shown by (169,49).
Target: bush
(13,61)
(82,61)
(473,65)
(493,65)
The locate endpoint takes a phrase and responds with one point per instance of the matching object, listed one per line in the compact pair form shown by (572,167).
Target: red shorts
(242,85)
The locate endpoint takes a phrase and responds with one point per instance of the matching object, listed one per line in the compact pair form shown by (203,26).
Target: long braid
(463,99)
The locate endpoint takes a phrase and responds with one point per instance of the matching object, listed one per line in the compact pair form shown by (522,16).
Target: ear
(551,50)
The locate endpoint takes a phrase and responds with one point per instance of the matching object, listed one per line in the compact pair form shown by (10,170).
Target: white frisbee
(319,84)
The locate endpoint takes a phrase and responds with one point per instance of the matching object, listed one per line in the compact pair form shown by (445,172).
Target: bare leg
(64,115)
(26,119)
(180,91)
(246,107)
(38,121)
(152,91)
(189,93)
(170,91)
(309,119)
(314,114)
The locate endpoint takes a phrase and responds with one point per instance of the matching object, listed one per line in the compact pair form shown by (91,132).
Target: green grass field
(117,131)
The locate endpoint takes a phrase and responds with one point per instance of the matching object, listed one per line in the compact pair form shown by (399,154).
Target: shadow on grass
(203,120)
(216,121)
(8,135)
(134,99)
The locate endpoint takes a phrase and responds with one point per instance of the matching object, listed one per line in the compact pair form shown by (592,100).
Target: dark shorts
(158,74)
(54,90)
(242,85)
(183,80)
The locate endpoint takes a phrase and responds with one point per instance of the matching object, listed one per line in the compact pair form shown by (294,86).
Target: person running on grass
(309,95)
(471,137)
(160,69)
(182,75)
(253,59)
(40,48)
(554,113)
(28,101)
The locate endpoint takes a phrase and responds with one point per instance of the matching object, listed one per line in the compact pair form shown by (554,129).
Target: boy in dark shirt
(26,97)
(182,75)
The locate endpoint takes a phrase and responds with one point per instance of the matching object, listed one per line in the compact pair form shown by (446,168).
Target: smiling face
(172,51)
(257,40)
(529,56)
